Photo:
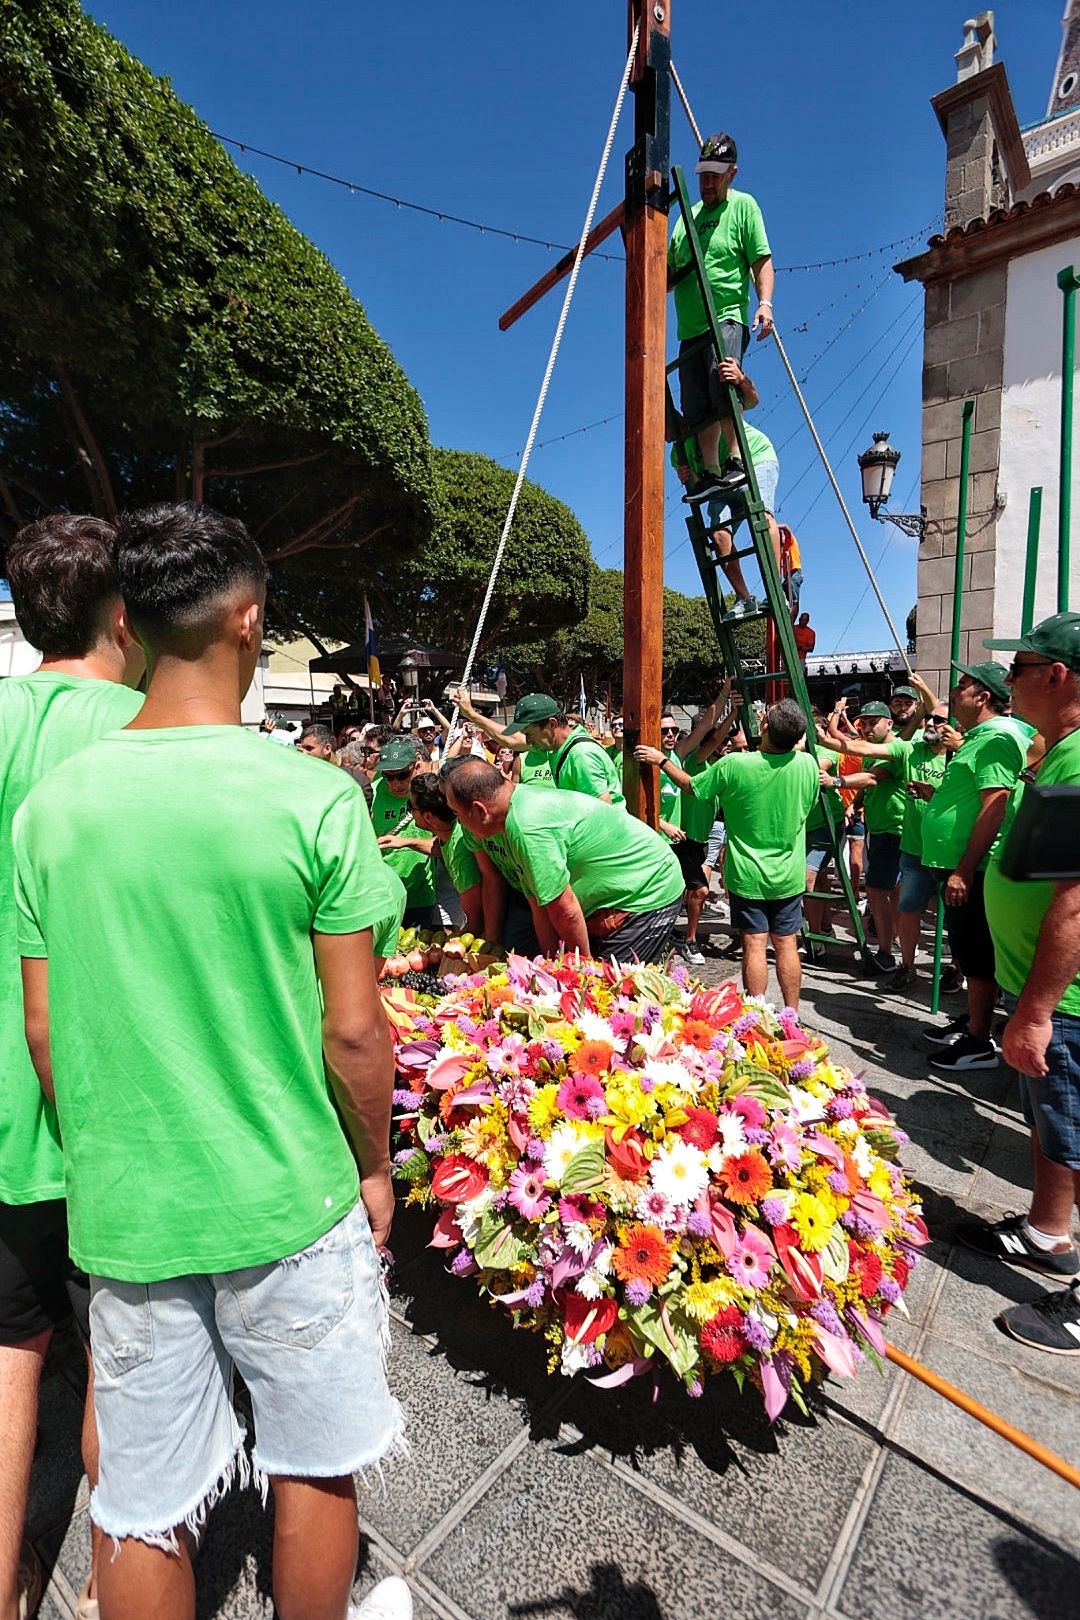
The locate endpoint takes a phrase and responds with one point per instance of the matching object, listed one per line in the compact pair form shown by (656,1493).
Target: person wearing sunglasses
(615,747)
(405,848)
(1035,929)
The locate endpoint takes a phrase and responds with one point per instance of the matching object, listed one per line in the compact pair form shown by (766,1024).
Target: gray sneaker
(743,608)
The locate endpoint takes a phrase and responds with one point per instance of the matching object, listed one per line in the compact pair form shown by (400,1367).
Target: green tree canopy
(165,331)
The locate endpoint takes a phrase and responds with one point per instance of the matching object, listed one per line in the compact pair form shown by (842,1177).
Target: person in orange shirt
(805,638)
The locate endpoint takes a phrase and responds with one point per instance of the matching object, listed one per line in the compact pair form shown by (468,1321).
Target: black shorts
(778,917)
(691,858)
(40,1286)
(702,396)
(883,864)
(970,941)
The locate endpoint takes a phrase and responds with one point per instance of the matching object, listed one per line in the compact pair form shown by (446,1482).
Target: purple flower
(695,1390)
(637,1291)
(534,1148)
(773,1211)
(646,1082)
(889,1289)
(756,1333)
(596,1106)
(594,1355)
(757,1135)
(839,1107)
(825,1315)
(649,1015)
(836,1181)
(803,1069)
(699,1224)
(534,1294)
(552,1051)
(463,1264)
(742,1026)
(437,1144)
(859,1226)
(407,1099)
(500,1200)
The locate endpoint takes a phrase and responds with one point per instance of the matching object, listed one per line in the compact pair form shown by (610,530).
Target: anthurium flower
(458,1178)
(804,1272)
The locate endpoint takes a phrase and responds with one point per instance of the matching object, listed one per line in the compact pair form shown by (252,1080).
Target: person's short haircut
(427,795)
(353,754)
(318,733)
(63,582)
(999,705)
(177,563)
(785,724)
(474,779)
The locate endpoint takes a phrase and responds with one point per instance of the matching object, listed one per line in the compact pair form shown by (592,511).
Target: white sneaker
(690,952)
(390,1600)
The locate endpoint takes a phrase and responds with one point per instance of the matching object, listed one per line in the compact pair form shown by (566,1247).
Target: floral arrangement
(647,1172)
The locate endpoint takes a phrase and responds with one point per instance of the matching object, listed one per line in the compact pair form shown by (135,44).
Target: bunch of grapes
(425,984)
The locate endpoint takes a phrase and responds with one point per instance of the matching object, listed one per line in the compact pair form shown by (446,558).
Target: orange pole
(973,1408)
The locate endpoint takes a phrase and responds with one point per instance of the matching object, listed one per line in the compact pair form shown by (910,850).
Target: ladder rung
(769,675)
(704,340)
(764,612)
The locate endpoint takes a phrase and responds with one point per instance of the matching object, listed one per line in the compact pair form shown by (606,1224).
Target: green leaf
(683,1354)
(585,1172)
(497,1248)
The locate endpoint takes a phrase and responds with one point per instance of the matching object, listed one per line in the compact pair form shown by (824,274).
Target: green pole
(1068,281)
(1031,564)
(954,655)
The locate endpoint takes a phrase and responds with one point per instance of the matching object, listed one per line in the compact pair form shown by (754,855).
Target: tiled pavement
(533,1496)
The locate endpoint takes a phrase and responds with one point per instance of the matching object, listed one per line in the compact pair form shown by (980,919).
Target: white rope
(901,647)
(552,357)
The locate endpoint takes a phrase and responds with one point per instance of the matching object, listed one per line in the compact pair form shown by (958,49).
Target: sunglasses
(396,776)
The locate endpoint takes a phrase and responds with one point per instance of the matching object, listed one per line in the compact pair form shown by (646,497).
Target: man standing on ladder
(731,230)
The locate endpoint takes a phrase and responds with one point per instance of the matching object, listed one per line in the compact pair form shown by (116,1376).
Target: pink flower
(505,1057)
(527,1193)
(577,1093)
(785,1149)
(751,1259)
(752,1111)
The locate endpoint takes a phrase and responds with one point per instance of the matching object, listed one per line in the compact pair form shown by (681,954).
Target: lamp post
(876,467)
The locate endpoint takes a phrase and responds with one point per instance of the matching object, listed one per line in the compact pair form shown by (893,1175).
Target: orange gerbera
(592,1057)
(642,1256)
(747,1179)
(696,1032)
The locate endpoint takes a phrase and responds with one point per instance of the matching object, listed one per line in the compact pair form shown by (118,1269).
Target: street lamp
(876,467)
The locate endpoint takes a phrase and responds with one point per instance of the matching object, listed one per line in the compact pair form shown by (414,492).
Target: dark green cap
(533,709)
(903,691)
(398,755)
(1057,639)
(990,675)
(874,711)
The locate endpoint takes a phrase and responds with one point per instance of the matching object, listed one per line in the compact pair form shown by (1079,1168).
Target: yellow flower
(813,1217)
(483,1139)
(628,1106)
(544,1109)
(879,1182)
(700,1300)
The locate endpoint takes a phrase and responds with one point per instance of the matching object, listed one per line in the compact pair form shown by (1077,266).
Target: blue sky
(498,113)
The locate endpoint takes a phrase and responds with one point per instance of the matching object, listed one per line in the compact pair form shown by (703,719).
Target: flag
(373,670)
(582,705)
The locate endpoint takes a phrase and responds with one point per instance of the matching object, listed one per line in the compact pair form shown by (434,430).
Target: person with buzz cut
(579,764)
(200,1001)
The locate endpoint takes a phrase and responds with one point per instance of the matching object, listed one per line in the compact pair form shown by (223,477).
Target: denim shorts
(768,478)
(776,917)
(917,883)
(717,840)
(1051,1103)
(883,861)
(309,1336)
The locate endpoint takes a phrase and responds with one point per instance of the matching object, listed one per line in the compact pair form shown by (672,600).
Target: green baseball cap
(903,691)
(533,709)
(1057,639)
(874,711)
(397,756)
(991,675)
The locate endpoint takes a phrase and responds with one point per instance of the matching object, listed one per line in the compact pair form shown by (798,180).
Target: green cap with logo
(874,711)
(904,691)
(398,755)
(1057,639)
(533,709)
(991,675)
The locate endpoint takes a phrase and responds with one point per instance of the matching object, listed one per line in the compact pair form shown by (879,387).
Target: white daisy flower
(594,1028)
(679,1171)
(562,1144)
(578,1236)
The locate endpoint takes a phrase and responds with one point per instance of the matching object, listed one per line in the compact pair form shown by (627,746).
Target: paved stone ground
(532,1496)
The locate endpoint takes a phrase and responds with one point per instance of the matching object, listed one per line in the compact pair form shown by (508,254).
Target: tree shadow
(1045,1578)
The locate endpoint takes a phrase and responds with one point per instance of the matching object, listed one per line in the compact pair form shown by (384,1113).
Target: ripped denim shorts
(309,1336)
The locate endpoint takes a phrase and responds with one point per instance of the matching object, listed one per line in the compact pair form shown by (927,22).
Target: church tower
(1065,90)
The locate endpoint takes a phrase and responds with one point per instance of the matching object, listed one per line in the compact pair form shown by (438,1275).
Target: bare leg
(90,1457)
(709,445)
(316,1541)
(20,1380)
(147,1583)
(881,909)
(755,968)
(1056,1189)
(788,967)
(855,849)
(981,998)
(695,899)
(722,541)
(907,926)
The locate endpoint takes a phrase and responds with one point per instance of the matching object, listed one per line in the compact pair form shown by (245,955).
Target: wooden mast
(645,231)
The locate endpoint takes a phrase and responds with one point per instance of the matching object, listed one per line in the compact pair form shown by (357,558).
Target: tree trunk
(90,454)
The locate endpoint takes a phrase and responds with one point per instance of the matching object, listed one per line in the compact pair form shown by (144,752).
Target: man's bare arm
(493,892)
(35,979)
(995,801)
(1056,964)
(490,728)
(568,921)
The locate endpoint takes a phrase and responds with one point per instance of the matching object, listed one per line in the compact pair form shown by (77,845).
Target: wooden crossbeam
(599,233)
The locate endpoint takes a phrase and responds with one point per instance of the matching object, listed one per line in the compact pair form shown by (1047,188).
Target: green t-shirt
(612,861)
(732,237)
(828,761)
(991,755)
(388,929)
(923,765)
(44,718)
(460,862)
(499,853)
(884,804)
(1015,910)
(765,799)
(174,878)
(696,816)
(582,765)
(670,795)
(536,768)
(760,448)
(417,871)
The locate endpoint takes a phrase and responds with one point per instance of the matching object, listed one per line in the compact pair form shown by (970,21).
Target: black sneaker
(953,982)
(944,1035)
(966,1053)
(1051,1323)
(707,488)
(732,477)
(902,979)
(1007,1240)
(883,962)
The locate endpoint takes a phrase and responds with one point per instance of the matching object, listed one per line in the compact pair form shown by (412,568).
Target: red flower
(587,1319)
(722,1337)
(747,1178)
(867,1269)
(805,1272)
(701,1129)
(458,1178)
(627,1157)
(721,1006)
(901,1270)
